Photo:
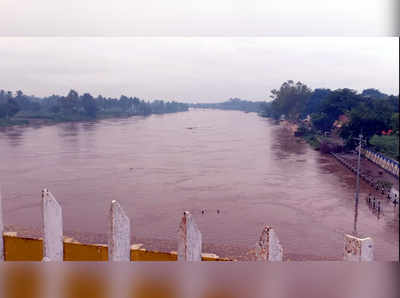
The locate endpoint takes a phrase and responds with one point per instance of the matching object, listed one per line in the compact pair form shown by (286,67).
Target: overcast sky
(198,69)
(199,17)
(190,50)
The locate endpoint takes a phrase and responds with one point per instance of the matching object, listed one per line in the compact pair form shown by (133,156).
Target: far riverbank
(38,121)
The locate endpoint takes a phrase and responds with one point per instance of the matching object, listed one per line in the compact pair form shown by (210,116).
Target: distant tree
(339,102)
(70,103)
(8,105)
(13,107)
(313,105)
(374,93)
(395,122)
(265,109)
(144,108)
(290,100)
(20,94)
(89,105)
(363,120)
(55,109)
(73,106)
(236,104)
(158,106)
(322,121)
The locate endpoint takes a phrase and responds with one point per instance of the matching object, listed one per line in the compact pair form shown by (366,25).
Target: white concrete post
(189,239)
(268,248)
(394,193)
(358,249)
(119,240)
(1,230)
(53,243)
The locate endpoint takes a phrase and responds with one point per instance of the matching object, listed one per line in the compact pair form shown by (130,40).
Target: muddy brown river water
(247,167)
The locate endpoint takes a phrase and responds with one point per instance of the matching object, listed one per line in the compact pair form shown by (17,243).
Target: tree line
(75,107)
(344,112)
(235,104)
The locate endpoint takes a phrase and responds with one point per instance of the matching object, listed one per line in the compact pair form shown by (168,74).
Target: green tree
(313,105)
(363,120)
(290,100)
(89,105)
(339,102)
(322,121)
(70,104)
(374,93)
(395,122)
(8,105)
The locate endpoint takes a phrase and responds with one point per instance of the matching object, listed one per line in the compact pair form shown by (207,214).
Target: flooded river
(251,170)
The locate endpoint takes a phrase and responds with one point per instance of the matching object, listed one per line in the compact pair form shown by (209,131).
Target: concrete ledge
(31,249)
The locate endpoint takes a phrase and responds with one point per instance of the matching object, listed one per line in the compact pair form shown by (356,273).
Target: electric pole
(360,139)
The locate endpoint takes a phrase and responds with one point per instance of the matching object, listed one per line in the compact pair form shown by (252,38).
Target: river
(250,169)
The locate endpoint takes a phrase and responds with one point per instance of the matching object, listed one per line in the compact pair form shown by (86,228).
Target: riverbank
(43,120)
(371,173)
(12,122)
(316,140)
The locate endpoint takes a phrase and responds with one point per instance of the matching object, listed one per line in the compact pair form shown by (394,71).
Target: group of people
(375,203)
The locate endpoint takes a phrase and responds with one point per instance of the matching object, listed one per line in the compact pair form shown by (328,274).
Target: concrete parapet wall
(387,164)
(56,247)
(31,249)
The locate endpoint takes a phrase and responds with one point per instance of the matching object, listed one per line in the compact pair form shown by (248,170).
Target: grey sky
(194,17)
(199,69)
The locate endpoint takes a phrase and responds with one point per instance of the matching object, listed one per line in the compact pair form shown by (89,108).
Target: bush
(387,145)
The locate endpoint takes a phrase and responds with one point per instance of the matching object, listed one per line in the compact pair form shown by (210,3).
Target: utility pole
(360,139)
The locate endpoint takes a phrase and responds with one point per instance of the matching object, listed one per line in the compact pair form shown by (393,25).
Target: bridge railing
(54,248)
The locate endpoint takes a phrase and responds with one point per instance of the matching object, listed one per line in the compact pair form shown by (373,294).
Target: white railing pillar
(268,247)
(358,249)
(189,239)
(53,244)
(119,240)
(1,230)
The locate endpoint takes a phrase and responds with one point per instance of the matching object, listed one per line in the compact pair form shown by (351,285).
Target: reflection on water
(246,167)
(285,146)
(13,135)
(69,129)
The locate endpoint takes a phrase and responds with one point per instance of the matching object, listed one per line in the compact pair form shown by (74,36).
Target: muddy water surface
(252,171)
